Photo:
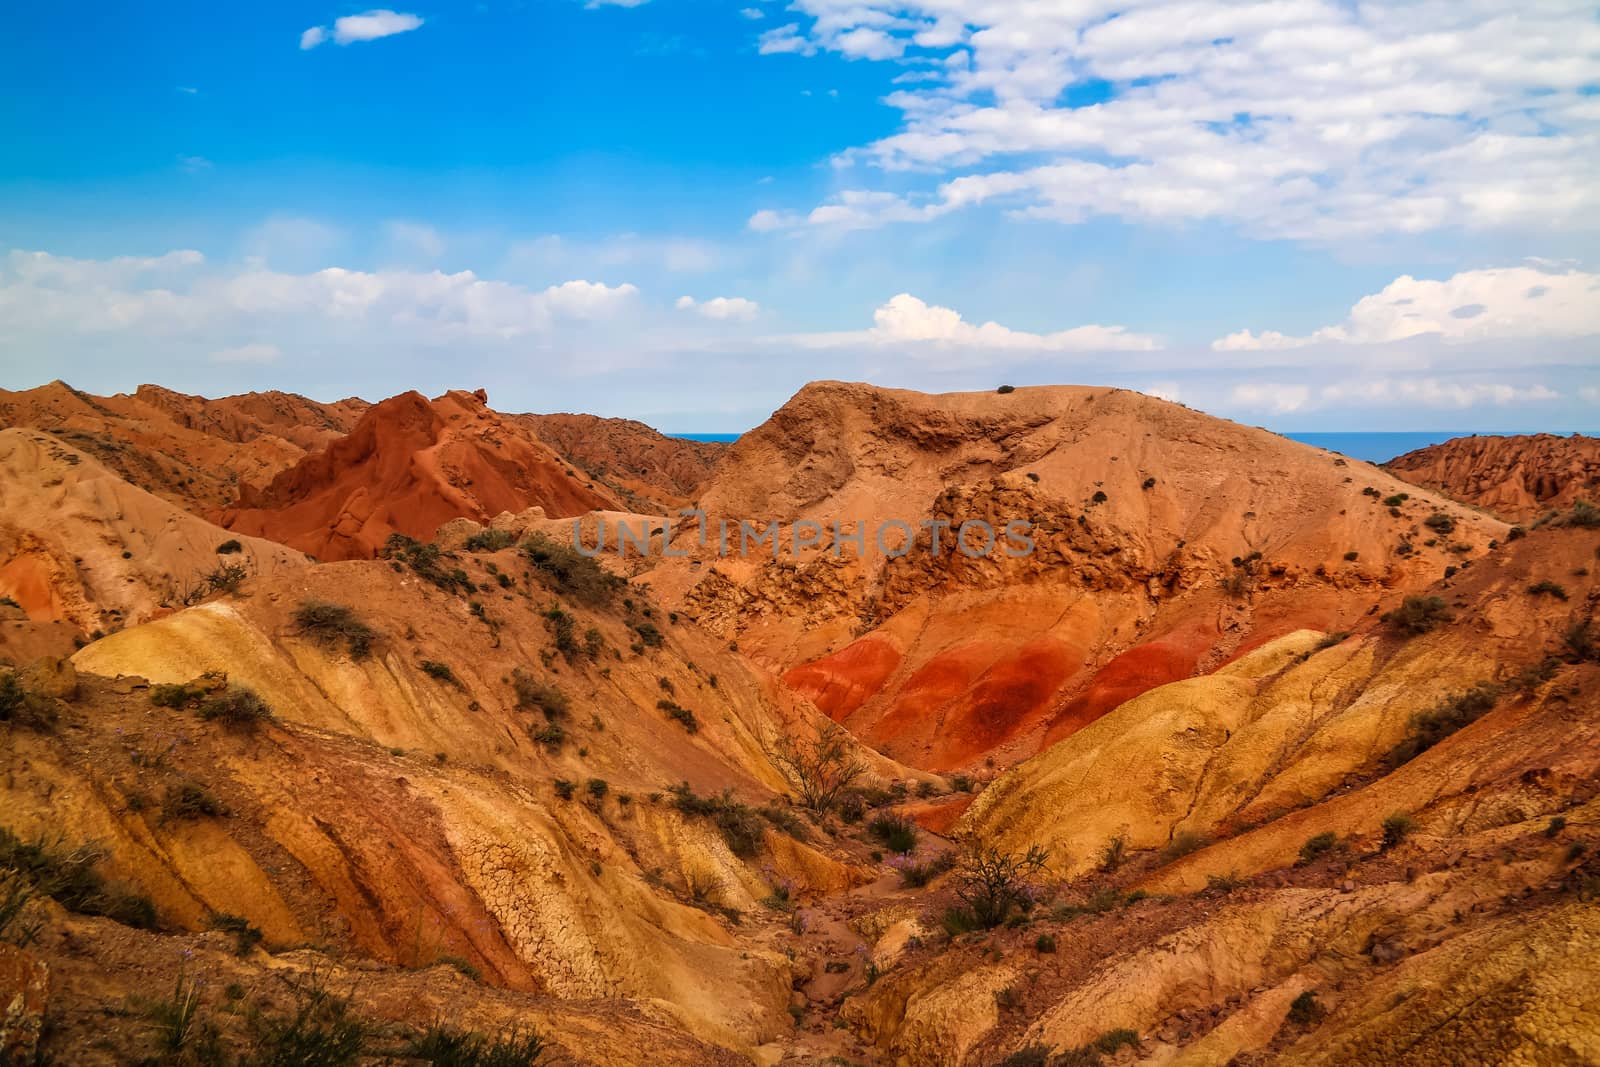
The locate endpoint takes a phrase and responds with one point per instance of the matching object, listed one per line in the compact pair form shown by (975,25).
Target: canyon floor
(345,734)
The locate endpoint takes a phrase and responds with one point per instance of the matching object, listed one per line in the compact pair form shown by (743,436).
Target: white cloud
(766,220)
(594,4)
(1287,118)
(907,321)
(367,26)
(1266,396)
(1435,393)
(193,164)
(414,239)
(255,353)
(752,13)
(1499,304)
(722,308)
(55,296)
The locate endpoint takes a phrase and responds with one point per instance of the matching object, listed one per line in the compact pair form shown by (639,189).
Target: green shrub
(1318,845)
(1547,587)
(1555,826)
(1584,515)
(565,789)
(439,671)
(226,578)
(188,800)
(69,877)
(1417,615)
(1109,1042)
(328,624)
(550,733)
(228,548)
(740,826)
(648,634)
(1396,500)
(1148,483)
(1440,523)
(440,1046)
(1004,389)
(1453,713)
(1045,943)
(490,540)
(237,708)
(895,832)
(1112,855)
(1031,1056)
(177,696)
(321,1032)
(427,562)
(532,694)
(1396,828)
(917,875)
(1304,1009)
(571,573)
(682,714)
(1351,557)
(598,788)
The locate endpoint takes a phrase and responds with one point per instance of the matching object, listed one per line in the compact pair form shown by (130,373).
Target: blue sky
(1303,214)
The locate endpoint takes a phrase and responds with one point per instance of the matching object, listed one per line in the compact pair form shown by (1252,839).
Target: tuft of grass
(490,540)
(1318,845)
(739,824)
(532,693)
(328,624)
(440,1046)
(24,707)
(1548,588)
(439,671)
(1396,828)
(1304,1009)
(572,574)
(1182,844)
(237,708)
(681,714)
(68,875)
(188,800)
(894,831)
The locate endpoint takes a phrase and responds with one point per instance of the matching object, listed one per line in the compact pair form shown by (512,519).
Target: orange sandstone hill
(188,450)
(657,472)
(409,466)
(1167,542)
(1518,478)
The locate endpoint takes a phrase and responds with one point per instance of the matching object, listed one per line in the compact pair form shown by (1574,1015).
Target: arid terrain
(323,743)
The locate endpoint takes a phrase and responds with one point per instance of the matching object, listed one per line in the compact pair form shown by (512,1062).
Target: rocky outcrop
(659,471)
(188,450)
(409,466)
(1517,478)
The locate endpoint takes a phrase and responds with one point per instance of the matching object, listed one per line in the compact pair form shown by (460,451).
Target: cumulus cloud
(1503,303)
(908,321)
(367,26)
(42,293)
(1286,118)
(721,308)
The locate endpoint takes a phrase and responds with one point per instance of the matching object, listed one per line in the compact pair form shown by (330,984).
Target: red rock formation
(662,471)
(409,466)
(1518,478)
(188,450)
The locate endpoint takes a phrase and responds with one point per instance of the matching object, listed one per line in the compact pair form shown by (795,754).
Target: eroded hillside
(1519,479)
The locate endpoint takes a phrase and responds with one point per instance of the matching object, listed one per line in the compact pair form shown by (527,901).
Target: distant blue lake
(1372,446)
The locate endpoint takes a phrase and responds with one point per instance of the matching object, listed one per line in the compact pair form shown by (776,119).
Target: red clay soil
(841,683)
(409,466)
(1136,671)
(1518,478)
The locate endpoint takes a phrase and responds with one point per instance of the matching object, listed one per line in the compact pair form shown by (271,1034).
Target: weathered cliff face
(81,546)
(660,473)
(409,466)
(1517,478)
(1161,542)
(188,450)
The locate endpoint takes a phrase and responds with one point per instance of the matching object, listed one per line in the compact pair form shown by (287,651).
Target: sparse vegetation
(229,548)
(1440,523)
(189,800)
(990,882)
(24,707)
(1583,515)
(1304,1009)
(823,769)
(738,823)
(1318,845)
(1183,842)
(237,708)
(440,1046)
(1396,500)
(67,875)
(895,832)
(1044,943)
(571,573)
(565,789)
(1352,556)
(328,624)
(490,540)
(427,561)
(916,875)
(1396,828)
(1112,855)
(245,936)
(439,671)
(1417,615)
(1451,714)
(1004,389)
(1546,587)
(680,714)
(532,693)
